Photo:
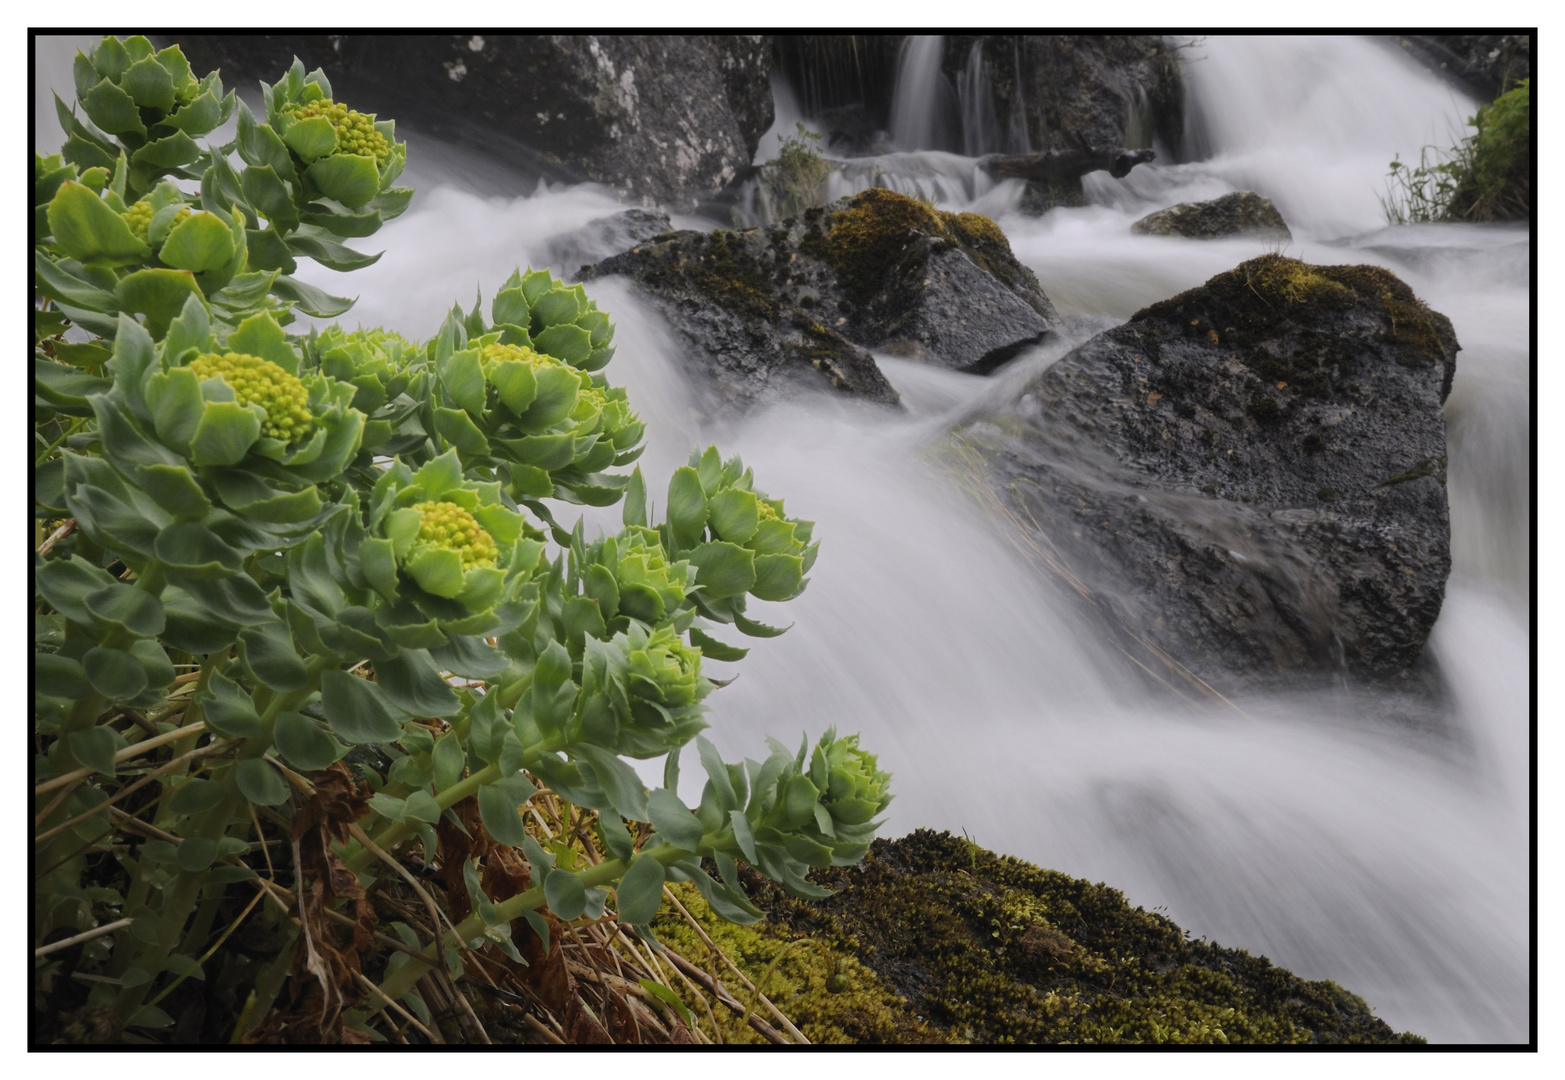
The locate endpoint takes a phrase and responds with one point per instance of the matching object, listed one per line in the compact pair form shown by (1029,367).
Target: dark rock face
(660,117)
(605,236)
(800,302)
(1251,475)
(1239,213)
(1484,64)
(1063,91)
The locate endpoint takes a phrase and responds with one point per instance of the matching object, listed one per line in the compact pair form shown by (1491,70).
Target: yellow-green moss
(829,994)
(1270,298)
(867,240)
(966,946)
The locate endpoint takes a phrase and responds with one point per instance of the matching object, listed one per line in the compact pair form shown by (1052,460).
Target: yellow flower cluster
(494,354)
(356,132)
(764,509)
(139,218)
(447,525)
(263,383)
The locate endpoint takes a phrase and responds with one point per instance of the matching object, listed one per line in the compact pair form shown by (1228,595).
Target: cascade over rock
(802,301)
(669,118)
(605,236)
(1239,213)
(1250,475)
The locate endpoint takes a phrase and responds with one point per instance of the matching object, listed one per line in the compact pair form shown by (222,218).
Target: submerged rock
(605,236)
(1239,213)
(800,302)
(1249,476)
(672,118)
(934,940)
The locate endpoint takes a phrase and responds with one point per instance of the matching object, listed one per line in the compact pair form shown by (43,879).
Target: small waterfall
(980,128)
(921,104)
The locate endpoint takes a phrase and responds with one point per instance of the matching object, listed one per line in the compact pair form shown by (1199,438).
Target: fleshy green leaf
(565,894)
(673,820)
(128,608)
(351,179)
(268,654)
(687,507)
(304,744)
(356,710)
(228,709)
(200,242)
(260,782)
(90,231)
(114,673)
(498,803)
(639,893)
(723,569)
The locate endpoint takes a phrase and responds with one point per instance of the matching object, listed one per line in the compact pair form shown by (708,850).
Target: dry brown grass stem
(205,751)
(124,755)
(66,528)
(366,984)
(86,935)
(777,1013)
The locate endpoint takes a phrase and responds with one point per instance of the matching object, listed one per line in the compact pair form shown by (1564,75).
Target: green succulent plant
(278,547)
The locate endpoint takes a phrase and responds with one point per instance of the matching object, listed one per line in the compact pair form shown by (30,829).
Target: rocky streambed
(1246,481)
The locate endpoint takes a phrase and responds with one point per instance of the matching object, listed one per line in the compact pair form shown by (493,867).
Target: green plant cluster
(274,548)
(1484,177)
(796,180)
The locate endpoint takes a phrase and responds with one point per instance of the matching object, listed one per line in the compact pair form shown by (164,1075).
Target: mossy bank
(933,940)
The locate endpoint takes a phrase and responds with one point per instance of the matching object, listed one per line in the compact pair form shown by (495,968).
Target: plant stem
(399,831)
(473,926)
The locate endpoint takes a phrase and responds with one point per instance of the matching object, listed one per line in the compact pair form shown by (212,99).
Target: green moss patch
(872,236)
(932,938)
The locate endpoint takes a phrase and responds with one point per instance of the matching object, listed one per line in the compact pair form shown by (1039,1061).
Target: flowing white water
(922,102)
(1309,828)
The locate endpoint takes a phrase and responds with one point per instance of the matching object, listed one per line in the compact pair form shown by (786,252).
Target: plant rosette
(642,693)
(337,153)
(741,542)
(391,380)
(246,409)
(631,577)
(448,544)
(143,103)
(524,398)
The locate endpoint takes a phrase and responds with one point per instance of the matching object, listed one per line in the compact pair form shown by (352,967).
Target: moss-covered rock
(935,940)
(802,301)
(1239,213)
(1249,475)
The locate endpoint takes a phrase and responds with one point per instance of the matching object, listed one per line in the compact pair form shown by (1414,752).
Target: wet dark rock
(1249,476)
(1239,213)
(1065,91)
(605,236)
(1485,65)
(669,118)
(764,309)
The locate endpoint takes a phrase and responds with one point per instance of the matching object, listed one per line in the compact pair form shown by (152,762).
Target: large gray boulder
(1239,213)
(801,302)
(1250,476)
(666,118)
